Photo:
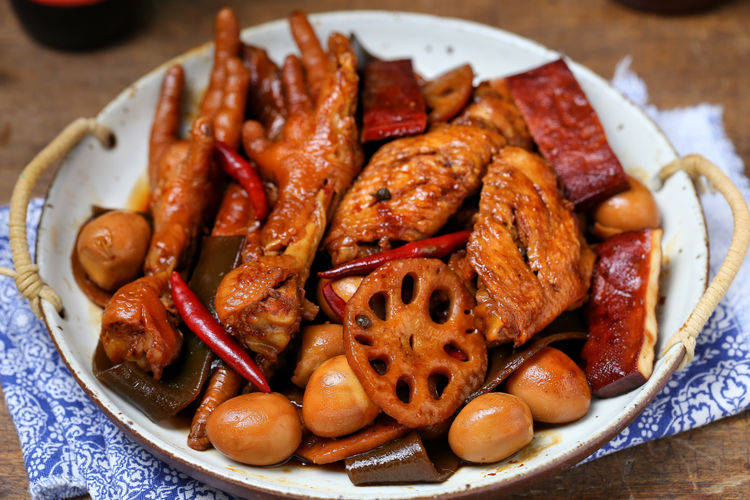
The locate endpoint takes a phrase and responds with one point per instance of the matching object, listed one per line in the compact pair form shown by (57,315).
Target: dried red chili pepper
(431,247)
(392,102)
(336,303)
(207,328)
(239,168)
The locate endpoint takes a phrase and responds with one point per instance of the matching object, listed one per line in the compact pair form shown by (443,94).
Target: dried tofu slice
(568,133)
(619,353)
(392,102)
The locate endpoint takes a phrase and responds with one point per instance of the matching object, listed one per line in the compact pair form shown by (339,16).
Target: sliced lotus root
(410,337)
(448,93)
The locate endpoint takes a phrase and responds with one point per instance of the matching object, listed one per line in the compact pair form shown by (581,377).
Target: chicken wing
(493,107)
(409,189)
(527,249)
(413,185)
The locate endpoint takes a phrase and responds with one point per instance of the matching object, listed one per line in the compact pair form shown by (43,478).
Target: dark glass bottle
(77,24)
(672,6)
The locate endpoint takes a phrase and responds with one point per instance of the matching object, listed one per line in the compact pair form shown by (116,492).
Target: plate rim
(672,357)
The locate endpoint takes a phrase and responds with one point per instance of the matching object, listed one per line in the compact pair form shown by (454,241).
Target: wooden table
(684,60)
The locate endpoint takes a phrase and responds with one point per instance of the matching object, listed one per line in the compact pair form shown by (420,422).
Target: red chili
(207,328)
(431,247)
(236,166)
(337,304)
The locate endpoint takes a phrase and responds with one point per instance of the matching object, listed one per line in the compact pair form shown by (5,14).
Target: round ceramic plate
(93,176)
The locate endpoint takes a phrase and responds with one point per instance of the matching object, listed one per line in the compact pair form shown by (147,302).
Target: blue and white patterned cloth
(71,448)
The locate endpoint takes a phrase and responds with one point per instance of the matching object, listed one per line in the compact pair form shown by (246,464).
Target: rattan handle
(697,166)
(26,273)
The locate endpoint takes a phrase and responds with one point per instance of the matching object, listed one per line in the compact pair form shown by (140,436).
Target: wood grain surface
(684,60)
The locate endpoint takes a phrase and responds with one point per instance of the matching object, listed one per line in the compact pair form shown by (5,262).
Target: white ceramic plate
(91,175)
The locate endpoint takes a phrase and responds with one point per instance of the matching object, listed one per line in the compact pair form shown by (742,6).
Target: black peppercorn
(363,321)
(381,194)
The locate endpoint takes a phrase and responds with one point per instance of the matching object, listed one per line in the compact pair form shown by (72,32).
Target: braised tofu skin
(568,133)
(526,248)
(619,353)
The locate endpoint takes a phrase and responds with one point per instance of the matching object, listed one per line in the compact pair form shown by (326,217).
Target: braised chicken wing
(413,185)
(409,189)
(527,249)
(493,107)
